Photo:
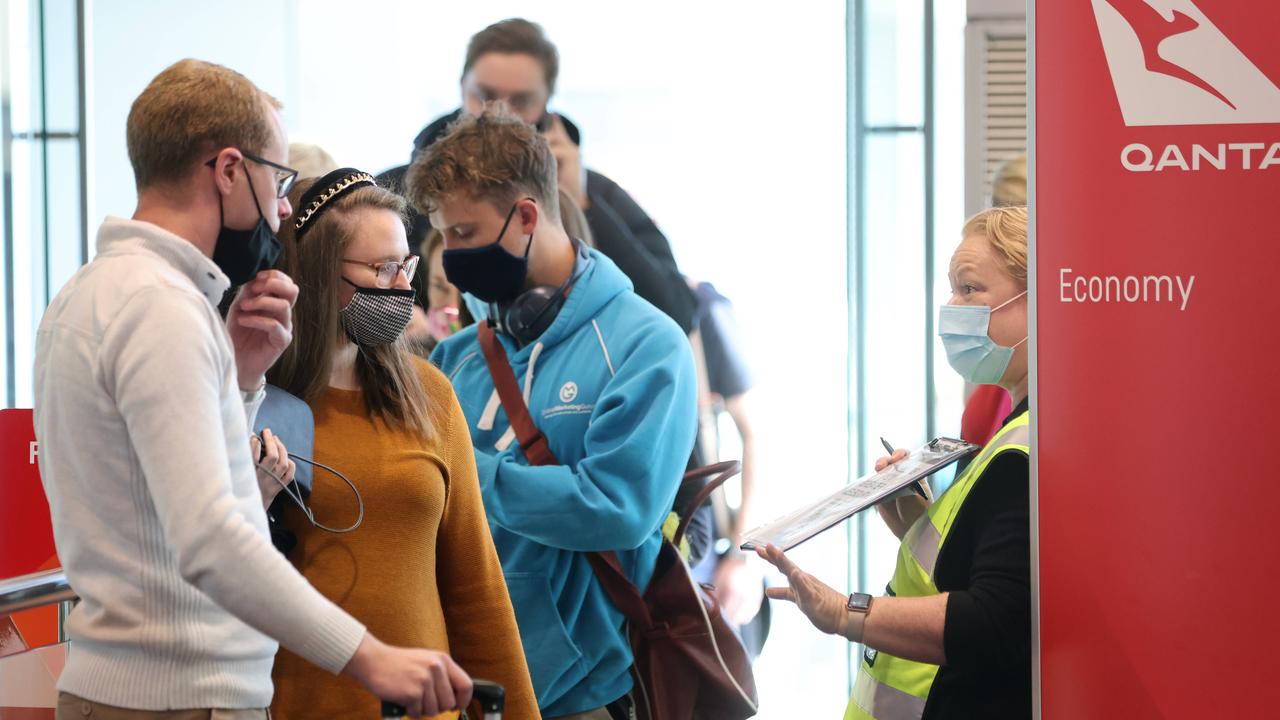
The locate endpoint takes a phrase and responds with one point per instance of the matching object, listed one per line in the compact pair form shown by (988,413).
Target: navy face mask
(242,254)
(488,272)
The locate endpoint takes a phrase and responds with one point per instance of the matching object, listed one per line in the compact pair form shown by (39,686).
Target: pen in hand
(915,485)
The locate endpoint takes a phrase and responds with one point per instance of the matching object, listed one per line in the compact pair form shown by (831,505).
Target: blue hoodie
(611,384)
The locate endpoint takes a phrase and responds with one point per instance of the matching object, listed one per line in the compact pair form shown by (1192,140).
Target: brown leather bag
(688,662)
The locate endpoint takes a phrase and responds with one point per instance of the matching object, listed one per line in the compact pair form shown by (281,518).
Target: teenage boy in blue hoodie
(608,379)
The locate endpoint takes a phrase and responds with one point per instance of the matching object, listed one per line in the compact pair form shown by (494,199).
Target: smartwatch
(859,603)
(858,606)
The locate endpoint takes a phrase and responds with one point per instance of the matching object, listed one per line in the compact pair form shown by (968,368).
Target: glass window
(908,155)
(894,57)
(40,151)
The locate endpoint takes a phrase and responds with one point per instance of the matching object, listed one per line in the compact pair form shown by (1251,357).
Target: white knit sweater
(144,454)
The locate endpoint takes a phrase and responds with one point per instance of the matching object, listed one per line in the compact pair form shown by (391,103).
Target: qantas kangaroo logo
(1172,66)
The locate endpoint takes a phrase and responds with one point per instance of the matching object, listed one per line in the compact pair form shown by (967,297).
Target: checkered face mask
(376,316)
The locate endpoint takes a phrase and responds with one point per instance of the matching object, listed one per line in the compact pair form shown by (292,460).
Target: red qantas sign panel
(26,534)
(1157,171)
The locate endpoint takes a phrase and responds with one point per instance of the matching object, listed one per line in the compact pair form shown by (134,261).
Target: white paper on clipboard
(794,528)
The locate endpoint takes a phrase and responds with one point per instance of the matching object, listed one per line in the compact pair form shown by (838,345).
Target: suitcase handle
(490,695)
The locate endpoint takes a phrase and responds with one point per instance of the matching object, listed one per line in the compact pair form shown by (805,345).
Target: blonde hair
(1005,228)
(393,390)
(310,160)
(1009,186)
(191,109)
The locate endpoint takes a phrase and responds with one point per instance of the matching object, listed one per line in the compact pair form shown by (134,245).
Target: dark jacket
(623,232)
(985,565)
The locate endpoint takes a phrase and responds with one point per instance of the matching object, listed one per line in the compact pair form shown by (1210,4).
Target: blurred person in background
(513,62)
(311,161)
(447,311)
(724,385)
(1009,184)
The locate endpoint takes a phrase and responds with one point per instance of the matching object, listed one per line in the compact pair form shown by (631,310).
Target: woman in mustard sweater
(420,570)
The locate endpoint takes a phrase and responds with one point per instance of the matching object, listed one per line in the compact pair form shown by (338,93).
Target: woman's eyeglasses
(387,271)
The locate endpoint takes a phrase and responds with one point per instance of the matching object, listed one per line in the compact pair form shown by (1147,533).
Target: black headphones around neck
(533,311)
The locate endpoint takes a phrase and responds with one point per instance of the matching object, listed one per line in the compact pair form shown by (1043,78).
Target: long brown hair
(393,390)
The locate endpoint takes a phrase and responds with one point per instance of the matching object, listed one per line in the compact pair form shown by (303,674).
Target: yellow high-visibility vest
(891,688)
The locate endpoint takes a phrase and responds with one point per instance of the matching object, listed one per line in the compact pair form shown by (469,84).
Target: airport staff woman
(951,638)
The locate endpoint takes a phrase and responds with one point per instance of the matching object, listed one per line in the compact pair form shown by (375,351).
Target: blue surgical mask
(970,350)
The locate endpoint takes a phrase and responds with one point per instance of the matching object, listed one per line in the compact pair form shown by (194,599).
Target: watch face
(860,602)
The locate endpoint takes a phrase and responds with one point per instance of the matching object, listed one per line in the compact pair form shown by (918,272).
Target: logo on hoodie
(569,392)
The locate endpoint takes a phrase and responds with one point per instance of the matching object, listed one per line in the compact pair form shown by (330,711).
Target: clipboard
(800,525)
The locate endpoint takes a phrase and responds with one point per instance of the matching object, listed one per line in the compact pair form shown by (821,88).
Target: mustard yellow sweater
(421,571)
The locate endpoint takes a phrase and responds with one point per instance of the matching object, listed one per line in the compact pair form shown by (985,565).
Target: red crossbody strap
(531,439)
(619,588)
(607,568)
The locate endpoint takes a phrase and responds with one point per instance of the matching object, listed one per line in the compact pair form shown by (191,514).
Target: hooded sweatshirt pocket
(555,662)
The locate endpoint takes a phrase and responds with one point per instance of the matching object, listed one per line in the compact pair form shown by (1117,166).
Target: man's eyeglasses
(284,176)
(387,271)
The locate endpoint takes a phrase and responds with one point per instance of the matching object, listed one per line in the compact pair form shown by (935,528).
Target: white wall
(133,40)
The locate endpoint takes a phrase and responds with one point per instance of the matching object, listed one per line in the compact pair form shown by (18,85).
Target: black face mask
(489,272)
(242,254)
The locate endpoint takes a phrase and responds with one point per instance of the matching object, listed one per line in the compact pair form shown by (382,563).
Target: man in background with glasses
(513,62)
(144,401)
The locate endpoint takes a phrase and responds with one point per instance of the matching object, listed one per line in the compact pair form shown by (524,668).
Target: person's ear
(529,215)
(224,169)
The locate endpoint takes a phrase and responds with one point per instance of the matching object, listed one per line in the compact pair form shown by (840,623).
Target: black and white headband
(320,196)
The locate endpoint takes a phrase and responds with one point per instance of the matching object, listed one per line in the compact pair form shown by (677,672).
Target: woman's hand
(275,461)
(900,511)
(898,456)
(822,604)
